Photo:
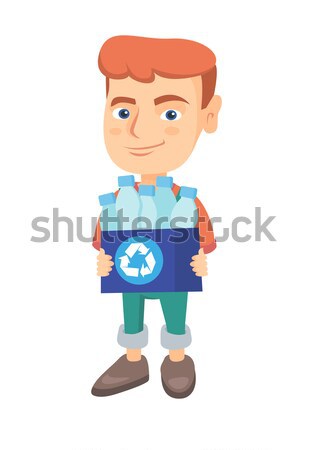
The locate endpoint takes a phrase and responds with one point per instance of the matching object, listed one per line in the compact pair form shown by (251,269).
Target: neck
(151,178)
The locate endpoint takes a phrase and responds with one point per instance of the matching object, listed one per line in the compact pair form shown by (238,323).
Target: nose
(144,124)
(132,127)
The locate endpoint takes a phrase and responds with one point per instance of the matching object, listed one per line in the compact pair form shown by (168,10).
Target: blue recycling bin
(151,260)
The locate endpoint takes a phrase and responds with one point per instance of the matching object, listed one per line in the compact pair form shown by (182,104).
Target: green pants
(174,335)
(174,306)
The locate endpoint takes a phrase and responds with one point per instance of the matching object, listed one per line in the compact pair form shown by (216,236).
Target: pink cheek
(171,131)
(115,131)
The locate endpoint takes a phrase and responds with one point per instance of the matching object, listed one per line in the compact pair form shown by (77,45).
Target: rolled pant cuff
(136,340)
(175,341)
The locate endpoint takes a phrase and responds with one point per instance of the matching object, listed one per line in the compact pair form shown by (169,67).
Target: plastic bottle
(108,216)
(185,208)
(127,202)
(165,200)
(148,208)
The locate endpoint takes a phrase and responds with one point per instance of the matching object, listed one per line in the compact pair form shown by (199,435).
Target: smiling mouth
(144,148)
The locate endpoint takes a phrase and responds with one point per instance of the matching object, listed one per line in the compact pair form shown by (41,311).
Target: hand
(104,264)
(199,264)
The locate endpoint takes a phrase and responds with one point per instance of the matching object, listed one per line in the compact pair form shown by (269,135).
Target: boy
(160,97)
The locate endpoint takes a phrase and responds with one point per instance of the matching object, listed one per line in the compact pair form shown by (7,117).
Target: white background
(250,326)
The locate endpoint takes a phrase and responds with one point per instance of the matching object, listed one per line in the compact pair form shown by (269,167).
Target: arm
(207,238)
(207,241)
(96,241)
(105,263)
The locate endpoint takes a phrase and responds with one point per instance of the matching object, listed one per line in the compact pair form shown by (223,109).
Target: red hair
(142,58)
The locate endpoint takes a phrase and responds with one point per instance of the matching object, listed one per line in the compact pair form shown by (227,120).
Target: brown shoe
(121,376)
(178,378)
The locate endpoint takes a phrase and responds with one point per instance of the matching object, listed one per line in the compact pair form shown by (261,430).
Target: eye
(121,113)
(170,114)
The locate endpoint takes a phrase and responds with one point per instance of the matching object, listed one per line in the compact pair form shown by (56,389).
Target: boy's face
(153,127)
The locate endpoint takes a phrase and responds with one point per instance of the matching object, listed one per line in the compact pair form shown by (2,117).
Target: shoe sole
(179,394)
(112,391)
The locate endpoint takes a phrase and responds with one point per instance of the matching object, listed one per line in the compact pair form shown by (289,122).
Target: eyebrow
(169,98)
(123,100)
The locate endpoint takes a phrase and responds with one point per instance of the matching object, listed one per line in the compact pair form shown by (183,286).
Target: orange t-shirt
(207,239)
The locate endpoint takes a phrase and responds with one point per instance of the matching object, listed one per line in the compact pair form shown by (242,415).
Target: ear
(210,114)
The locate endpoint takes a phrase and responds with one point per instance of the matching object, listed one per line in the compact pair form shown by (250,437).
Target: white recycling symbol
(135,271)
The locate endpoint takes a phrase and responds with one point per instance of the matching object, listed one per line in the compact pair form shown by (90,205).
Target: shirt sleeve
(96,241)
(207,238)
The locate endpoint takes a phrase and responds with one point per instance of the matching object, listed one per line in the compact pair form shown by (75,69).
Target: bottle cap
(147,189)
(188,192)
(165,182)
(107,199)
(126,180)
